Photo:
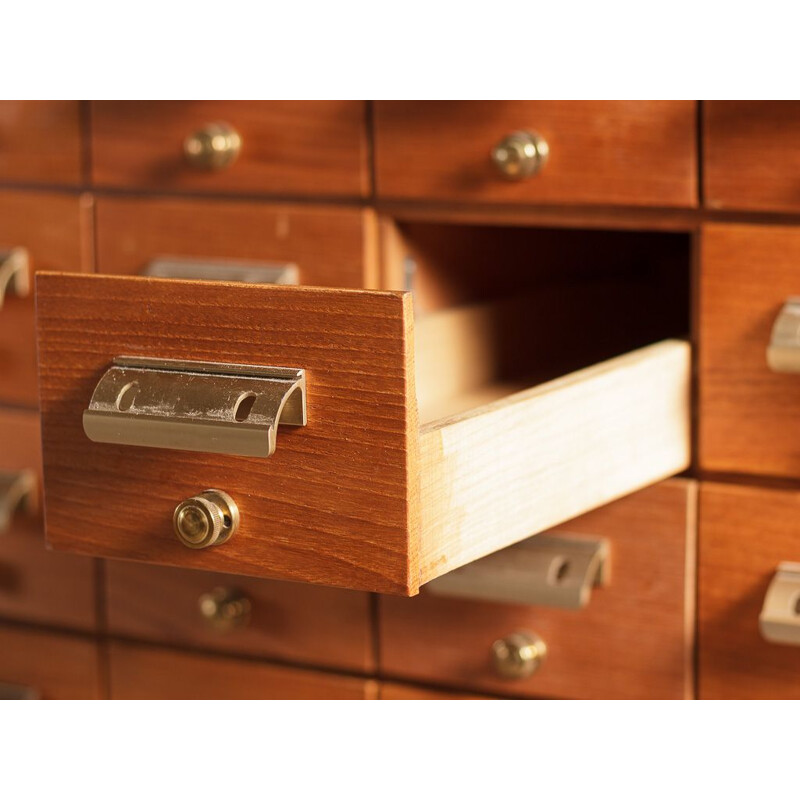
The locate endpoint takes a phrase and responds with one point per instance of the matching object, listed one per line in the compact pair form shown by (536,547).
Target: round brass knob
(211,517)
(518,655)
(520,155)
(225,609)
(215,146)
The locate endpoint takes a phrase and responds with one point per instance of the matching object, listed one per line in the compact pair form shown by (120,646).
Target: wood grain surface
(633,640)
(745,533)
(332,246)
(633,153)
(150,673)
(402,691)
(288,147)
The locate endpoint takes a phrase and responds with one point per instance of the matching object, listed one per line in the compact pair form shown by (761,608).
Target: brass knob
(215,146)
(225,609)
(211,517)
(520,155)
(518,655)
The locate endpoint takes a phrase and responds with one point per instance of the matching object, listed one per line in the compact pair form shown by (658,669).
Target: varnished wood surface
(332,246)
(401,691)
(55,228)
(54,666)
(638,153)
(633,640)
(37,584)
(149,673)
(749,416)
(288,147)
(40,142)
(751,160)
(744,534)
(288,621)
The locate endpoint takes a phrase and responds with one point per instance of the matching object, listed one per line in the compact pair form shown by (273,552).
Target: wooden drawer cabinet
(284,147)
(150,673)
(36,584)
(634,639)
(40,142)
(49,666)
(53,230)
(400,691)
(751,160)
(745,533)
(330,246)
(631,153)
(749,414)
(271,619)
(365,496)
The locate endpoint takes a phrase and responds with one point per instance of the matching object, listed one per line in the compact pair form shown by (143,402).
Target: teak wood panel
(400,691)
(314,148)
(53,666)
(744,534)
(40,142)
(289,621)
(37,584)
(150,673)
(55,229)
(749,418)
(331,246)
(634,153)
(750,156)
(634,639)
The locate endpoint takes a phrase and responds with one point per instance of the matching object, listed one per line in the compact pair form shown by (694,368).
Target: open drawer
(377,491)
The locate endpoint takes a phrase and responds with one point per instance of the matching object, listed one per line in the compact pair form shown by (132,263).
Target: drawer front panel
(750,155)
(640,153)
(288,621)
(41,141)
(330,246)
(53,229)
(51,666)
(749,415)
(634,639)
(149,673)
(744,534)
(37,584)
(401,691)
(287,147)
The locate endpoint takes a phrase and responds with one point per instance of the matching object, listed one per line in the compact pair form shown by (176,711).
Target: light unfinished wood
(634,639)
(150,673)
(340,502)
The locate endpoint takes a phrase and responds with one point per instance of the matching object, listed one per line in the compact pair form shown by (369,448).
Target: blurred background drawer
(330,246)
(749,418)
(402,691)
(150,673)
(315,148)
(744,534)
(40,142)
(53,230)
(49,666)
(634,639)
(636,153)
(36,584)
(751,160)
(291,622)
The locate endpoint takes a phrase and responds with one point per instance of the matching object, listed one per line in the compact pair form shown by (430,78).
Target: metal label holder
(14,273)
(176,267)
(779,620)
(783,352)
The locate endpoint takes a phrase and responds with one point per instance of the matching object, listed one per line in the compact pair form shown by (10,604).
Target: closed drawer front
(41,141)
(278,147)
(47,666)
(634,638)
(745,534)
(400,691)
(45,231)
(365,496)
(36,584)
(149,673)
(749,413)
(287,621)
(639,153)
(329,246)
(750,155)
